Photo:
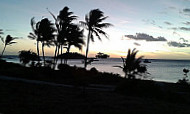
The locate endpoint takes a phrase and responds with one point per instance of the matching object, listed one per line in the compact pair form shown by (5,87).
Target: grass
(22,98)
(130,96)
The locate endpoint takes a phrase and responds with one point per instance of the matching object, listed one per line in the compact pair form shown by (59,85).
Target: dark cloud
(174,28)
(186,10)
(147,21)
(178,44)
(137,44)
(184,28)
(143,36)
(183,39)
(175,33)
(180,28)
(167,23)
(186,23)
(160,27)
(172,7)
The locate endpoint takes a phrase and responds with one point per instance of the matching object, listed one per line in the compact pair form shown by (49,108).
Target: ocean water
(160,70)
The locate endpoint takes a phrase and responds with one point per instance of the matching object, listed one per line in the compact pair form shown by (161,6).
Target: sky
(159,29)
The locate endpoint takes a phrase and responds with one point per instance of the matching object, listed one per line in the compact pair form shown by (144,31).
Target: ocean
(160,70)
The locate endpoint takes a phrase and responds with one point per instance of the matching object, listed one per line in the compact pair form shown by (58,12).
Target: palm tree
(62,21)
(1,32)
(46,32)
(74,38)
(94,25)
(132,65)
(8,41)
(35,35)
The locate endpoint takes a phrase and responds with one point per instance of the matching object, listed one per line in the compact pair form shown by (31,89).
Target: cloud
(172,7)
(174,28)
(183,39)
(143,36)
(147,21)
(180,28)
(137,44)
(167,23)
(184,28)
(175,33)
(186,23)
(186,10)
(178,44)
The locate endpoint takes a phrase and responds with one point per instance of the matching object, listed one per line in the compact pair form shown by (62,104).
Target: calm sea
(160,70)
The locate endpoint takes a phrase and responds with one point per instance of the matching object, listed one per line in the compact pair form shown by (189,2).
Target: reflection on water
(162,70)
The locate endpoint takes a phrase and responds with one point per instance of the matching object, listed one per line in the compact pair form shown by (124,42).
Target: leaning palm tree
(74,38)
(62,21)
(94,25)
(46,31)
(8,41)
(132,65)
(35,35)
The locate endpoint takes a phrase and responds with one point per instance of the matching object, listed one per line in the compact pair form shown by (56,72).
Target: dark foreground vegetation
(129,96)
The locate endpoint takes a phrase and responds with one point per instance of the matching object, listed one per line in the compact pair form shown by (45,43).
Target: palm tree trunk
(68,50)
(38,52)
(55,55)
(3,51)
(87,48)
(43,52)
(61,54)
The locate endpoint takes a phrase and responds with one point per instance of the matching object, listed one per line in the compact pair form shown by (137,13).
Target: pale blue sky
(166,18)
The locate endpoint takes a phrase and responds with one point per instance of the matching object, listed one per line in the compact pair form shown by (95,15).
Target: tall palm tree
(62,21)
(74,38)
(35,35)
(8,41)
(46,31)
(94,25)
(132,65)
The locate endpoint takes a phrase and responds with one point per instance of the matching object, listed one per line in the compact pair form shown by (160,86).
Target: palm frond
(104,25)
(118,66)
(2,39)
(98,35)
(101,32)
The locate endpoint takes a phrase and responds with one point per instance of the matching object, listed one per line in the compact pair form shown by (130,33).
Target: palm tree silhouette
(74,38)
(132,65)
(8,41)
(1,32)
(35,35)
(94,25)
(62,22)
(46,31)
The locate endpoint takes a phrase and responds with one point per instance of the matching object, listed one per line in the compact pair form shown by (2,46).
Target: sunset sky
(159,29)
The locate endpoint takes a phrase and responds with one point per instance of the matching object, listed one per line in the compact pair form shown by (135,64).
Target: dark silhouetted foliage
(131,65)
(27,56)
(93,23)
(8,41)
